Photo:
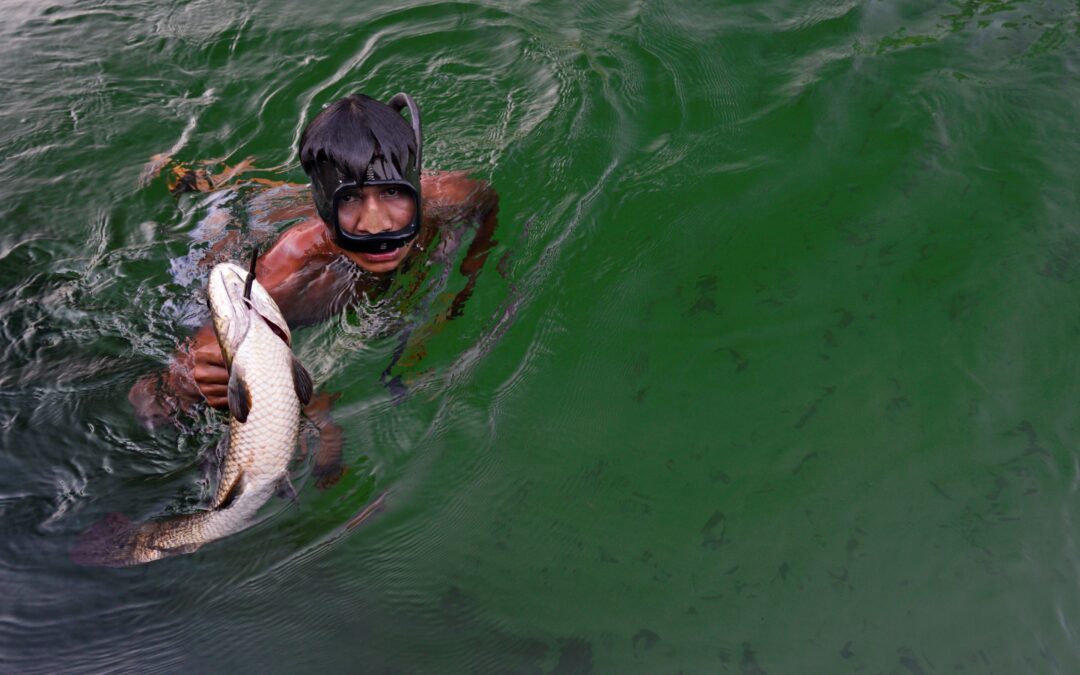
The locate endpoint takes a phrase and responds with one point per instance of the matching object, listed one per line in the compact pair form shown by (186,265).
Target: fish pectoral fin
(239,396)
(234,491)
(302,381)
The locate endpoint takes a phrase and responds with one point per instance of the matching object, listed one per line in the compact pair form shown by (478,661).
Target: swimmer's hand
(158,398)
(210,373)
(198,371)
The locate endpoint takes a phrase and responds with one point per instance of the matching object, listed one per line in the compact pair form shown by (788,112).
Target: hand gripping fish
(267,386)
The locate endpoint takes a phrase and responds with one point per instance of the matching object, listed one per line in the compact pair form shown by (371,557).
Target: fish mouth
(234,296)
(231,279)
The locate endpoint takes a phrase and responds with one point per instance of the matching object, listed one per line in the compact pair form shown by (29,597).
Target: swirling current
(768,370)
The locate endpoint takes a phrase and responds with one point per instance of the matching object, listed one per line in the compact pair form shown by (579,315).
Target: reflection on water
(768,371)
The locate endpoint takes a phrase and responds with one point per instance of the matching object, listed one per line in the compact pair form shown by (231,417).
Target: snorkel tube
(375,150)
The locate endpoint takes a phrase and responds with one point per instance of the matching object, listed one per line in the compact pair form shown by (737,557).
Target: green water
(771,369)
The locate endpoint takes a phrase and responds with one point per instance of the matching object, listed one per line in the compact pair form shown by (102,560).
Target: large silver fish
(267,386)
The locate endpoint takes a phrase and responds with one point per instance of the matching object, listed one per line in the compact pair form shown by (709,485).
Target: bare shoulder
(297,246)
(457,188)
(303,235)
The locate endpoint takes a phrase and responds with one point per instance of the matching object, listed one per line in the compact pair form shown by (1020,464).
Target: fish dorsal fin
(239,396)
(234,491)
(301,381)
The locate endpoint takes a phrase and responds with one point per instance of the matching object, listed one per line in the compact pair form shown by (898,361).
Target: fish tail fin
(113,541)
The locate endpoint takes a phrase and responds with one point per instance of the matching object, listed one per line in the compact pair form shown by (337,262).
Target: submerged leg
(329,467)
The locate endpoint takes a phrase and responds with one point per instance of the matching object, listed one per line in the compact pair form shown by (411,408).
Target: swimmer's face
(373,209)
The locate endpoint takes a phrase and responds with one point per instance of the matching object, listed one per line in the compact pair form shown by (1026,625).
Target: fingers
(207,374)
(209,354)
(211,375)
(216,396)
(327,476)
(329,467)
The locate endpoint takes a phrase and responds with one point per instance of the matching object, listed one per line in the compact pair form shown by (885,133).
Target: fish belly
(260,448)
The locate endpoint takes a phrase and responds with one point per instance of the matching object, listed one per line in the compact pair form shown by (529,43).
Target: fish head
(233,311)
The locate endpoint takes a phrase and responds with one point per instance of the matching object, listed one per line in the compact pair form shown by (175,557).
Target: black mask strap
(402,100)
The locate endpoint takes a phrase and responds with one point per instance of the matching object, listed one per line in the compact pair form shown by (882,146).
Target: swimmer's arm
(274,270)
(158,397)
(483,201)
(197,369)
(294,248)
(477,201)
(487,212)
(328,466)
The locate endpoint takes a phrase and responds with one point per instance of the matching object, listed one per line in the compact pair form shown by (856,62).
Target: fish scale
(254,338)
(260,448)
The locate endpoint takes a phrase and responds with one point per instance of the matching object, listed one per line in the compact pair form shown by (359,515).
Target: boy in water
(374,212)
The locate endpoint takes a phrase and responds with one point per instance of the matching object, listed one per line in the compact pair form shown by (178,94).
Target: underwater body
(770,368)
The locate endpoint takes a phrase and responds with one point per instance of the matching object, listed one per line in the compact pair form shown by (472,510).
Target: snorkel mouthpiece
(358,142)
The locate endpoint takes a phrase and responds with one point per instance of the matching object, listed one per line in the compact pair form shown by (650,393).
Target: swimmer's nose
(372,218)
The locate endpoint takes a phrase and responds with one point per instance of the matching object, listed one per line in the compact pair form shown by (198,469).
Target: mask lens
(348,207)
(375,217)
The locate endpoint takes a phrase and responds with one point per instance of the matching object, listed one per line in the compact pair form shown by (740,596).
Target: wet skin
(372,210)
(298,274)
(367,210)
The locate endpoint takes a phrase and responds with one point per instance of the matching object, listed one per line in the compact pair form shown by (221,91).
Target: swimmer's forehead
(378,186)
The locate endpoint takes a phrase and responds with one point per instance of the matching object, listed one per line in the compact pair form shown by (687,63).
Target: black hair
(357,141)
(353,131)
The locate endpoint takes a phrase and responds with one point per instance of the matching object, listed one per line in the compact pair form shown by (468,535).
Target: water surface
(771,370)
